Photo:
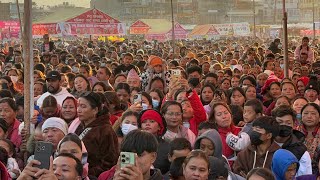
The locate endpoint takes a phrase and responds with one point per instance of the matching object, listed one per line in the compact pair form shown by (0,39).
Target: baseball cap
(53,75)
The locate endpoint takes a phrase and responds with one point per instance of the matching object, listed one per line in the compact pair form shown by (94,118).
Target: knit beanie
(153,115)
(55,122)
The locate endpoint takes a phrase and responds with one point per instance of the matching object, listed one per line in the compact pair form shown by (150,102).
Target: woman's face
(282,101)
(301,87)
(71,148)
(85,111)
(187,110)
(196,168)
(298,105)
(251,93)
(7,113)
(130,120)
(181,97)
(68,110)
(225,85)
(119,79)
(237,99)
(275,91)
(98,88)
(38,89)
(288,90)
(207,94)
(123,95)
(151,126)
(155,96)
(84,72)
(173,116)
(222,116)
(310,116)
(80,84)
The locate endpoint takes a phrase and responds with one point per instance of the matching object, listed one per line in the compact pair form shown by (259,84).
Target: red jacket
(108,174)
(226,150)
(199,114)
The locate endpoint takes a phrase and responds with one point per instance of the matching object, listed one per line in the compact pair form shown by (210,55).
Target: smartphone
(137,98)
(127,158)
(176,74)
(42,153)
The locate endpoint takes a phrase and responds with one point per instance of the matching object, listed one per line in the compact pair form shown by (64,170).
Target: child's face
(6,146)
(291,171)
(157,68)
(207,146)
(249,114)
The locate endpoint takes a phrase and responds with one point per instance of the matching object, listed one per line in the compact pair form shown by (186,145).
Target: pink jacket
(13,135)
(308,50)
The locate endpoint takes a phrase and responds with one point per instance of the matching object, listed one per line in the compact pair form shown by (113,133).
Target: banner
(71,29)
(241,29)
(224,29)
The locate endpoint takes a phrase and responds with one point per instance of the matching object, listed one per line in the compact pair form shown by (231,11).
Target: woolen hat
(55,122)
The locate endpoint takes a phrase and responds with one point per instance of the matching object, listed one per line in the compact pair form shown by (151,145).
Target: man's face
(127,60)
(65,168)
(53,85)
(53,135)
(101,75)
(46,38)
(54,61)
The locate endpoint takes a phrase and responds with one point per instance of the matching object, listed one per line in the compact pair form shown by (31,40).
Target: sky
(79,3)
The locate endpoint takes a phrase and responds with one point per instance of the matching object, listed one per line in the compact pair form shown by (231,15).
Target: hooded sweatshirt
(281,160)
(249,159)
(215,138)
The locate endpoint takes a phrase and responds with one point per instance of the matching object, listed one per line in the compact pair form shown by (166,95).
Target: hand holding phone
(43,153)
(127,158)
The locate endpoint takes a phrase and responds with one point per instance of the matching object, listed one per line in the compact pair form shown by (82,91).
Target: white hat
(55,122)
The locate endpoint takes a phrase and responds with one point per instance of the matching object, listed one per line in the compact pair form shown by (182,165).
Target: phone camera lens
(123,156)
(123,160)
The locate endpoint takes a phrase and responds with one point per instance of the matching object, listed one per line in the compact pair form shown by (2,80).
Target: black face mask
(255,138)
(285,131)
(194,82)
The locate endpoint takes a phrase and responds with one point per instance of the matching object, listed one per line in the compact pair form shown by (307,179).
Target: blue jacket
(281,160)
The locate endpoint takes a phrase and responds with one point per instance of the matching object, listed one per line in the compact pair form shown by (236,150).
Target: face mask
(75,69)
(280,46)
(14,79)
(282,66)
(285,131)
(299,116)
(126,128)
(255,138)
(144,106)
(155,103)
(194,82)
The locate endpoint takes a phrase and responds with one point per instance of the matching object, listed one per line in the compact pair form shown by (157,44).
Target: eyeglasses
(174,114)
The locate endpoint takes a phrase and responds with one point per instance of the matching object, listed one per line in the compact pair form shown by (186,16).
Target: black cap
(4,125)
(53,75)
(312,86)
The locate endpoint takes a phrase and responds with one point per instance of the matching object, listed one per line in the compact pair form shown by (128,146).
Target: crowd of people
(193,110)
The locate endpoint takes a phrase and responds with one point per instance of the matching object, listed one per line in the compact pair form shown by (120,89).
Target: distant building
(273,12)
(306,10)
(5,11)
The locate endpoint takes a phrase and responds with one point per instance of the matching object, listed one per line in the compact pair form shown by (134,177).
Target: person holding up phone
(144,156)
(64,166)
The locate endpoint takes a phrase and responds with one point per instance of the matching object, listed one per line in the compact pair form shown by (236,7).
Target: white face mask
(126,128)
(144,106)
(75,69)
(14,79)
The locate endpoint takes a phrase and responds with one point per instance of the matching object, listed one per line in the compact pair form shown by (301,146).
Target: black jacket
(295,144)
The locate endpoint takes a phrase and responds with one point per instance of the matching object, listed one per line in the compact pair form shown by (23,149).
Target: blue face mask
(299,116)
(155,103)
